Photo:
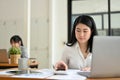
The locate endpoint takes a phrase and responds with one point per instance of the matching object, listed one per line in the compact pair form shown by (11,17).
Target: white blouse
(74,58)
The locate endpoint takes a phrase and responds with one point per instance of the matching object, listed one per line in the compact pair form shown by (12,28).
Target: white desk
(5,76)
(7,65)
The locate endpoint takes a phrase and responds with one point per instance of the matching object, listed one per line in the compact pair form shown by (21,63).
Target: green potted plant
(15,54)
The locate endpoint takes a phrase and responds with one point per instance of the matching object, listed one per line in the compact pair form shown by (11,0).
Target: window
(106,14)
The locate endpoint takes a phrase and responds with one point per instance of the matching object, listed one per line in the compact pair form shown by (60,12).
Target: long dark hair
(16,39)
(87,20)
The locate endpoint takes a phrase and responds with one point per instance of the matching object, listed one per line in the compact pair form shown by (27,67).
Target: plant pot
(14,58)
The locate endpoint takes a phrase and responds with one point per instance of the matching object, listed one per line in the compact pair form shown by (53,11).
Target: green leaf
(14,50)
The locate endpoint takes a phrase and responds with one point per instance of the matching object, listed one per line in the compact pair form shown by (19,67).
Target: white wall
(48,30)
(48,27)
(13,20)
(40,32)
(12,16)
(58,29)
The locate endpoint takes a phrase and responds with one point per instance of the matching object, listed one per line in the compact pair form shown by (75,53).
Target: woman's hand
(61,66)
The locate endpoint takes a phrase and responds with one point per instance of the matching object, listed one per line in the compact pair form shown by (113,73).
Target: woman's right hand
(61,66)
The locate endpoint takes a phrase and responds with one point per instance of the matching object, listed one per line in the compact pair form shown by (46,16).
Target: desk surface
(10,77)
(7,65)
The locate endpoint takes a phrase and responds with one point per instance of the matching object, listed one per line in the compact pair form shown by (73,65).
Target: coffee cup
(23,64)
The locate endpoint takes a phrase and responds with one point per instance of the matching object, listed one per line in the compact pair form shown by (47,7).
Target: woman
(77,53)
(16,41)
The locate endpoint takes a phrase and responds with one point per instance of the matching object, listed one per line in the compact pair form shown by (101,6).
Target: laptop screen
(106,56)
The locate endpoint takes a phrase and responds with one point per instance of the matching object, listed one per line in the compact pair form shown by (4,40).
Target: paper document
(68,74)
(43,73)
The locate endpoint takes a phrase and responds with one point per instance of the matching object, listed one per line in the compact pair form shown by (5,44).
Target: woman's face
(14,44)
(82,33)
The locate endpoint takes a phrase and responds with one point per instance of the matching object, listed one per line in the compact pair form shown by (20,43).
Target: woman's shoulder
(22,48)
(71,45)
(69,48)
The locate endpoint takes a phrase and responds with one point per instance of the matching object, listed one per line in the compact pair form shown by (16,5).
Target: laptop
(3,56)
(105,58)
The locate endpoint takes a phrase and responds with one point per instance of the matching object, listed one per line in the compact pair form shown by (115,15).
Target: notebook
(3,56)
(105,58)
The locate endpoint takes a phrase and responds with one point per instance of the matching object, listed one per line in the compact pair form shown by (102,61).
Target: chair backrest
(3,56)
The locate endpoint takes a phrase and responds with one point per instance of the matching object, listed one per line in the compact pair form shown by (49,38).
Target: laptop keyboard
(84,73)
